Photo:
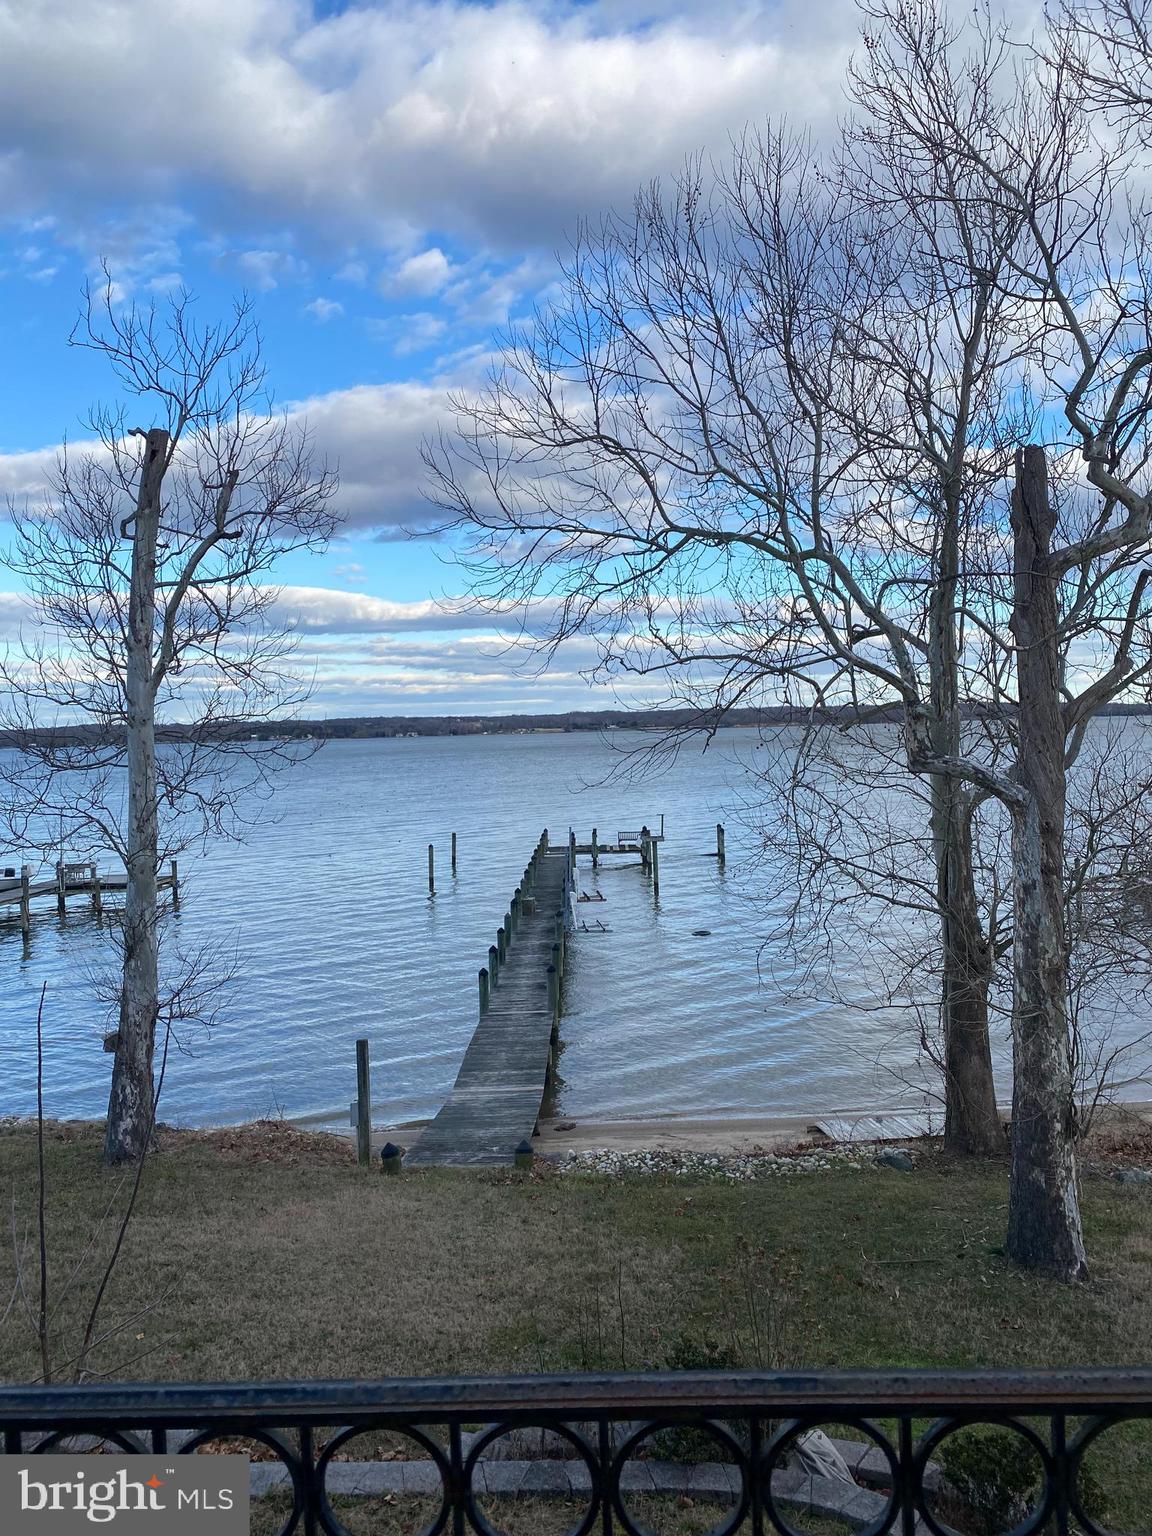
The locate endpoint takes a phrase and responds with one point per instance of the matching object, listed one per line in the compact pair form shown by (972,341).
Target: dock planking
(496,1099)
(71,879)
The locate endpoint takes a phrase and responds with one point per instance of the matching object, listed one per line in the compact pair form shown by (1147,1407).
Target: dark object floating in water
(701,933)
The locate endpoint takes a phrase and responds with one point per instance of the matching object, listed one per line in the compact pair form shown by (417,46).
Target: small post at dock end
(363,1104)
(391,1158)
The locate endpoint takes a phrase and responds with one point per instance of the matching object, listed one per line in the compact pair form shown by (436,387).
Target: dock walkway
(496,1100)
(75,879)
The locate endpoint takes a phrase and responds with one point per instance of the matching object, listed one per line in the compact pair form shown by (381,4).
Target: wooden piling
(720,841)
(97,893)
(61,890)
(493,966)
(363,1104)
(431,870)
(645,849)
(175,873)
(553,990)
(655,847)
(484,989)
(502,941)
(25,908)
(453,853)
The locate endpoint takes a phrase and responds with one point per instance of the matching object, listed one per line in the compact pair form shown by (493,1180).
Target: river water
(326,909)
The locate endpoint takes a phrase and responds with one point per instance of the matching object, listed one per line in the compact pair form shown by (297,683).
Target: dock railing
(606,1424)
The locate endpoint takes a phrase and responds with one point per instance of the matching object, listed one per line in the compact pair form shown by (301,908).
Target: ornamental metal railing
(607,1434)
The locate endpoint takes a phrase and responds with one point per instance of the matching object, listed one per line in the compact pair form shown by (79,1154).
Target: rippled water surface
(326,905)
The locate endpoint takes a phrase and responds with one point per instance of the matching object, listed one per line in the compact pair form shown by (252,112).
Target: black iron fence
(603,1436)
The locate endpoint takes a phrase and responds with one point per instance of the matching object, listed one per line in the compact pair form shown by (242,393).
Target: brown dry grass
(269,1253)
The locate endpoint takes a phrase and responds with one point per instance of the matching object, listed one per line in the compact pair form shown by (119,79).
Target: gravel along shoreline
(852,1157)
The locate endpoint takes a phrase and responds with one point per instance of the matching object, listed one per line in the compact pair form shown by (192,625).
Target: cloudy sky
(390,183)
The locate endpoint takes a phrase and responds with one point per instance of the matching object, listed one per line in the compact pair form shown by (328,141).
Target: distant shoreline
(670,722)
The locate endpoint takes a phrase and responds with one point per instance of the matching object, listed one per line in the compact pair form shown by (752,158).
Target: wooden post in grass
(25,906)
(493,965)
(61,890)
(655,848)
(391,1158)
(363,1104)
(431,870)
(720,842)
(484,990)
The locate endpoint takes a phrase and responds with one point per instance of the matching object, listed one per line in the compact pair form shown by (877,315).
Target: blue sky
(390,184)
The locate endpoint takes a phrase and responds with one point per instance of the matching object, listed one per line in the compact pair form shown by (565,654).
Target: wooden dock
(75,879)
(495,1102)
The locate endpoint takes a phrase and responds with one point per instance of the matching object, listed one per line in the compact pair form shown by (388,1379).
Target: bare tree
(144,570)
(746,448)
(848,824)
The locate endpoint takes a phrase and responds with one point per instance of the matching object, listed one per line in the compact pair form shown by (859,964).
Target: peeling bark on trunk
(1044,1228)
(130,1103)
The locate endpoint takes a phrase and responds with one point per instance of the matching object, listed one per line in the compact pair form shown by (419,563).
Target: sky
(391,184)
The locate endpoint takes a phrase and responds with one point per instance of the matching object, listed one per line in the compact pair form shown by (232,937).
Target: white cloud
(322,310)
(500,121)
(422,275)
(324,610)
(266,270)
(371,433)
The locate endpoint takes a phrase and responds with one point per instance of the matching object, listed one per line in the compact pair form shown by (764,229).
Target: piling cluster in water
(741,1165)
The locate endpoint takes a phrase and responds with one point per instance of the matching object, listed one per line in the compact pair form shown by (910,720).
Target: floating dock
(495,1102)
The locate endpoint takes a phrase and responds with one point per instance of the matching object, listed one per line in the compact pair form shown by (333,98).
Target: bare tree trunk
(972,1125)
(1044,1228)
(130,1101)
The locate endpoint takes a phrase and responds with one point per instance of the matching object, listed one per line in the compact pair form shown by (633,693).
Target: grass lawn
(269,1253)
